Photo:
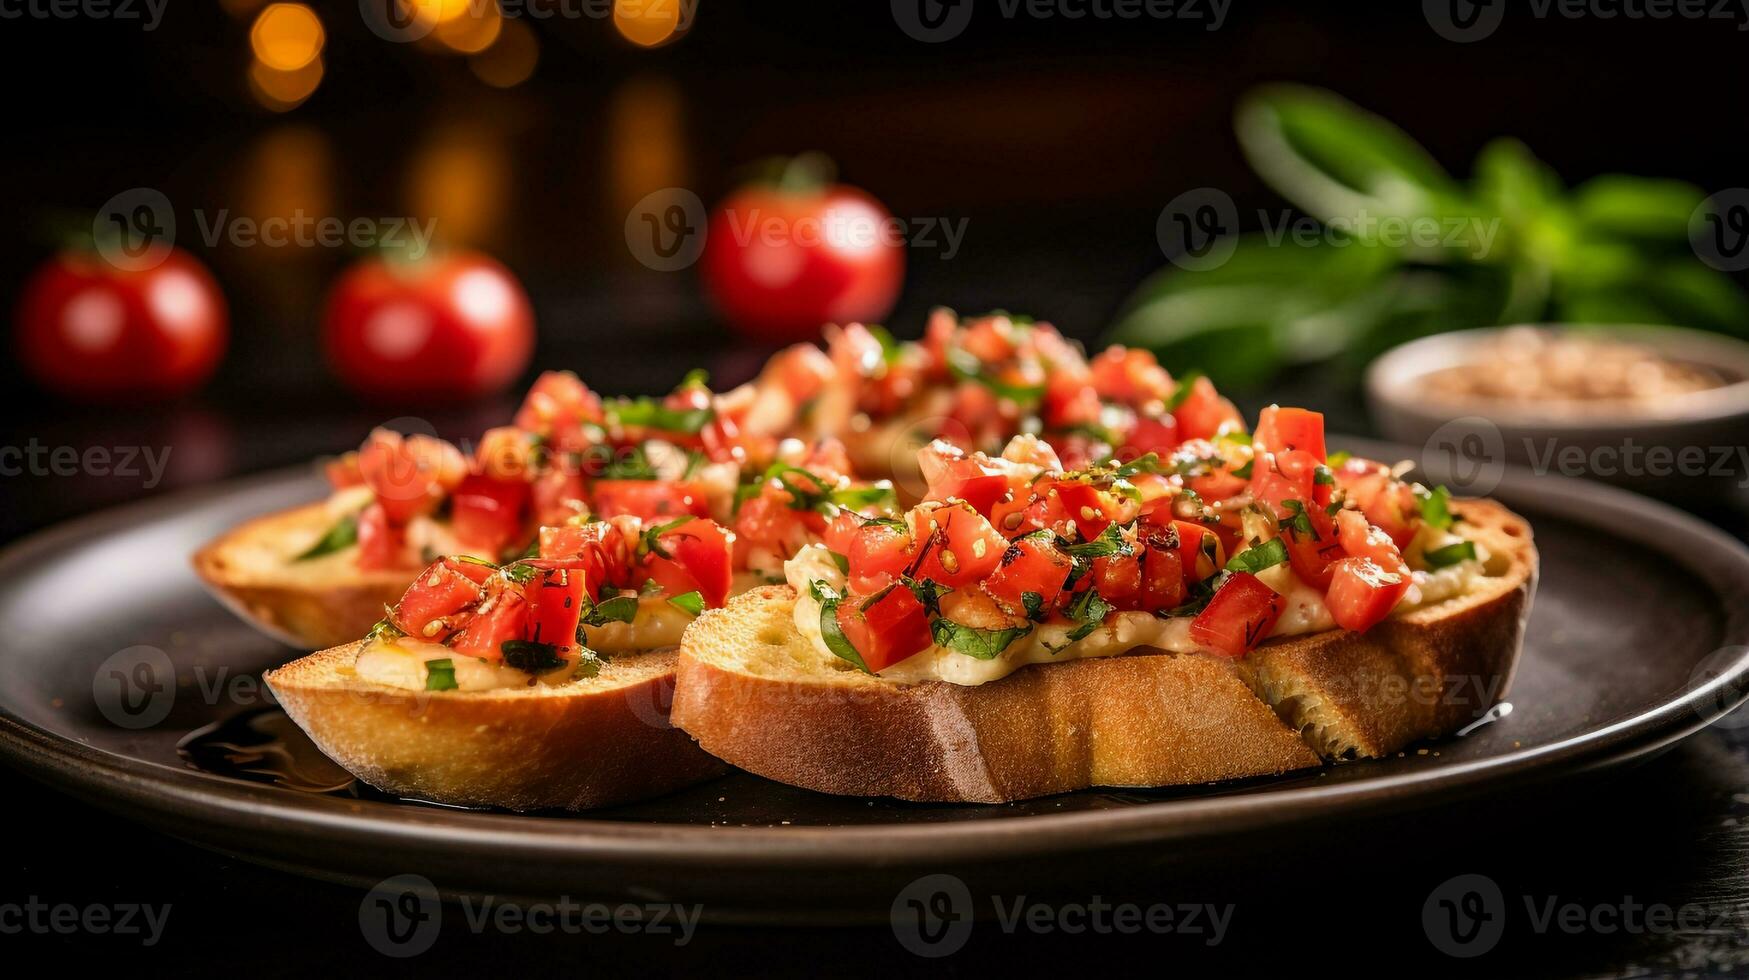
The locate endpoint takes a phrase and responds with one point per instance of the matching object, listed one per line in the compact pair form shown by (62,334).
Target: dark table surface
(1673,831)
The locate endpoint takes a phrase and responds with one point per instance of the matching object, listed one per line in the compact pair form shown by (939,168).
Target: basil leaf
(385,631)
(928,592)
(440,675)
(1451,554)
(1435,506)
(1110,542)
(1089,609)
(589,663)
(1297,521)
(530,656)
(976,643)
(650,542)
(471,560)
(650,413)
(1244,472)
(841,561)
(344,534)
(633,465)
(618,609)
(965,366)
(692,602)
(1186,385)
(1200,595)
(830,630)
(1255,559)
(1338,458)
(1034,603)
(519,572)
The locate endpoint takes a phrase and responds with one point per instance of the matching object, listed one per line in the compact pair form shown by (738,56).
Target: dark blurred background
(1058,141)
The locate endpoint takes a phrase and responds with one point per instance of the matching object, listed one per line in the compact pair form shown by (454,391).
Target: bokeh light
(473,33)
(286,37)
(283,90)
(647,22)
(511,59)
(460,181)
(646,140)
(443,11)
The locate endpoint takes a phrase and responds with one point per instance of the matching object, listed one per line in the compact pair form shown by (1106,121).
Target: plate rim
(164,791)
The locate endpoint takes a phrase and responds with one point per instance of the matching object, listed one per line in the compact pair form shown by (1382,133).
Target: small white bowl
(1693,446)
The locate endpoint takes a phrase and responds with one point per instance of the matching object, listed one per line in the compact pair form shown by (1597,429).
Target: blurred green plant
(1514,245)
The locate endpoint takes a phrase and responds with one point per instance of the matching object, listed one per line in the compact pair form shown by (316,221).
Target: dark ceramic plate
(1635,642)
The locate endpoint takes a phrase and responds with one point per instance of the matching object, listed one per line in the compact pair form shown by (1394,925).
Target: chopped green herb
(440,675)
(841,561)
(589,662)
(975,643)
(1323,476)
(1244,472)
(1451,554)
(650,413)
(1435,506)
(1338,458)
(385,631)
(650,542)
(1186,385)
(928,592)
(530,656)
(1089,609)
(1297,520)
(519,572)
(692,602)
(344,534)
(830,631)
(1259,557)
(1034,604)
(617,609)
(1110,542)
(966,367)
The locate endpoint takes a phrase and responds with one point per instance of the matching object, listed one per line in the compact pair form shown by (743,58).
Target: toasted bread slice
(587,743)
(757,694)
(313,604)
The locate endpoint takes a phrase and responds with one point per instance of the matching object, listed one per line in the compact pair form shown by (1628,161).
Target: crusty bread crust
(750,690)
(309,607)
(585,744)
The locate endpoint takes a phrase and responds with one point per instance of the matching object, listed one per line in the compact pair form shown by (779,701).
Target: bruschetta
(543,682)
(1246,605)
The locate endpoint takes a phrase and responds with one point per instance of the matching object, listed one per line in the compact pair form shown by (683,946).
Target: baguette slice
(312,605)
(587,743)
(757,694)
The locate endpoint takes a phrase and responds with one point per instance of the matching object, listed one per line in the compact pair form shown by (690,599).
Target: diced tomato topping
(893,627)
(1361,540)
(342,472)
(1362,593)
(490,515)
(380,544)
(974,479)
(409,475)
(698,559)
(1131,376)
(1289,475)
(1204,413)
(1151,434)
(556,496)
(877,552)
(1119,580)
(503,616)
(1162,568)
(1091,508)
(961,547)
(600,546)
(1312,554)
(555,607)
(1240,616)
(652,500)
(440,592)
(1028,565)
(1281,429)
(557,408)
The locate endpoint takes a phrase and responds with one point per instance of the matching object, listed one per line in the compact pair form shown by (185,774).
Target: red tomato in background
(780,261)
(89,329)
(445,328)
